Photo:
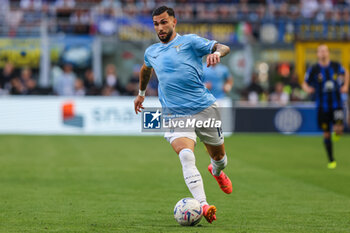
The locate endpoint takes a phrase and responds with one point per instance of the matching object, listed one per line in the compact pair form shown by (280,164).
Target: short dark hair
(162,9)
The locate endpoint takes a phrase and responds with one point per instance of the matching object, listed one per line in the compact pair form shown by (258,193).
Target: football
(188,212)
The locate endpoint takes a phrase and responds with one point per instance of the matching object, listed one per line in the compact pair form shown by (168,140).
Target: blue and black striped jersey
(327,81)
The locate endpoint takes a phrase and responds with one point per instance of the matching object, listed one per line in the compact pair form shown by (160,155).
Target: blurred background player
(218,80)
(327,80)
(177,61)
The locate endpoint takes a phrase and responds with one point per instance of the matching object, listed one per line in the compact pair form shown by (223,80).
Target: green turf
(131,184)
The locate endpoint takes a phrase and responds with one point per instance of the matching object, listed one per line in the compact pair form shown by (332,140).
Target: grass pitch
(131,184)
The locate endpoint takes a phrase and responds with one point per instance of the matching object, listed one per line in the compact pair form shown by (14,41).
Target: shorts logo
(152,119)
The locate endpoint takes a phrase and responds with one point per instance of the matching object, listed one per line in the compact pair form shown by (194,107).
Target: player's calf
(193,178)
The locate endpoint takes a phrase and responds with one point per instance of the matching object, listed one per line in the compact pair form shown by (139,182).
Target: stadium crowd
(66,82)
(23,17)
(86,17)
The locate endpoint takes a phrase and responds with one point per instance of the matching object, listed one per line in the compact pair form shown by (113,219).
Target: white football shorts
(209,135)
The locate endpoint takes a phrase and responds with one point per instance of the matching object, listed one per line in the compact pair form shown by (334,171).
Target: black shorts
(327,119)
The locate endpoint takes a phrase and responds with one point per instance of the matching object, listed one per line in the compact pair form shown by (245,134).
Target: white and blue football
(188,212)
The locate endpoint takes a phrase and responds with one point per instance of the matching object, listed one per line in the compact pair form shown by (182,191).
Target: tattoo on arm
(223,49)
(145,75)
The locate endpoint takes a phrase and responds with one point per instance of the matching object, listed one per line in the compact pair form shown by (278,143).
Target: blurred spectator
(294,89)
(81,21)
(7,74)
(217,80)
(79,89)
(325,5)
(224,12)
(346,15)
(65,3)
(31,4)
(254,90)
(130,9)
(17,87)
(32,88)
(106,22)
(64,85)
(114,4)
(132,87)
(26,74)
(111,85)
(279,96)
(309,8)
(4,7)
(64,9)
(89,83)
(28,82)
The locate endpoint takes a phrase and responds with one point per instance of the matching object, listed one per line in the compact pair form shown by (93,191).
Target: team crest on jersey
(177,47)
(320,78)
(335,76)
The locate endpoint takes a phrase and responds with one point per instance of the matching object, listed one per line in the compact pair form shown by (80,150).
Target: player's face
(322,53)
(164,26)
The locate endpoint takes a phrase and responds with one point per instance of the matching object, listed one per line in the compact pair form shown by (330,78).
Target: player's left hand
(213,59)
(208,85)
(344,89)
(227,88)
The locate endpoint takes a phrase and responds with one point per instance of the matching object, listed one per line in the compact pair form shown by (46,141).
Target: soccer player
(218,80)
(327,80)
(177,61)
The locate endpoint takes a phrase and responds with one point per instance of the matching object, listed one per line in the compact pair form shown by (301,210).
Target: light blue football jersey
(217,76)
(178,66)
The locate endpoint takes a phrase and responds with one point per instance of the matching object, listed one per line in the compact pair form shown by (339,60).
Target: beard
(167,38)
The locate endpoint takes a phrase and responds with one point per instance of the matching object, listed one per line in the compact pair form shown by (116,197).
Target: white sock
(193,178)
(218,166)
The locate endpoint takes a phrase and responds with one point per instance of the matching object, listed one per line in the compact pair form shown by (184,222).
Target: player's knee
(180,148)
(187,157)
(327,135)
(180,144)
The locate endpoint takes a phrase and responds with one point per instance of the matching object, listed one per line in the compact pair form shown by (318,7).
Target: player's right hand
(138,103)
(310,90)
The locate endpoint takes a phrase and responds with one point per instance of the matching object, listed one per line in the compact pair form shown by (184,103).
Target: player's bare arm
(307,88)
(345,87)
(219,50)
(145,75)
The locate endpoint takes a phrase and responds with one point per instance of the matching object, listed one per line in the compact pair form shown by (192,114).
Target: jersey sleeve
(308,78)
(201,45)
(147,63)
